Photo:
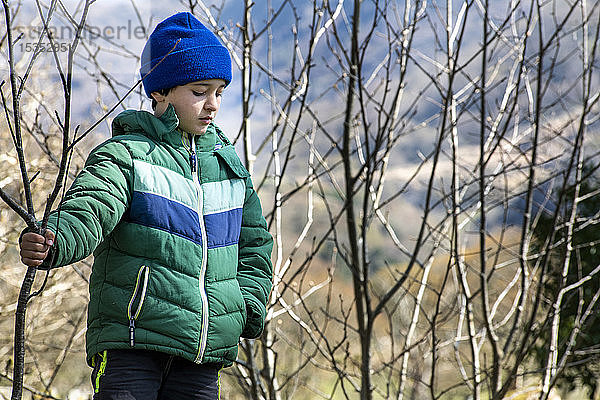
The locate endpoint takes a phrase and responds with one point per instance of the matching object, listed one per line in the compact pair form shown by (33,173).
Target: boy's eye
(198,93)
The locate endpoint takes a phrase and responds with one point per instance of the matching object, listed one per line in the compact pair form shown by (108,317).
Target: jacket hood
(157,128)
(133,121)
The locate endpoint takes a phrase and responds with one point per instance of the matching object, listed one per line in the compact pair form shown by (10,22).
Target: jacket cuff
(254,321)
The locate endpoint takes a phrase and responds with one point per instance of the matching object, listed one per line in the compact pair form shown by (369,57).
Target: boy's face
(196,104)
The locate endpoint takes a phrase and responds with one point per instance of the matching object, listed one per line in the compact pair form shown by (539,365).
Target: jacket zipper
(203,296)
(143,275)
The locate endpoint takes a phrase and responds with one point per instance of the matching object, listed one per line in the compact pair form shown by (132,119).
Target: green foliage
(550,246)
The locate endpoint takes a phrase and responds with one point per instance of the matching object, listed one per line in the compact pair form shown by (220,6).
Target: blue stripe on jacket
(158,212)
(223,229)
(154,211)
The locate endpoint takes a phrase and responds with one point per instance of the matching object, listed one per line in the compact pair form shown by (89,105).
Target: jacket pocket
(134,308)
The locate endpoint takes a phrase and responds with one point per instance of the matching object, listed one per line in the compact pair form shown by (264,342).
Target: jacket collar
(164,129)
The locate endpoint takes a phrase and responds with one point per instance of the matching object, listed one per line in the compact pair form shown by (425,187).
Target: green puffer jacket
(181,258)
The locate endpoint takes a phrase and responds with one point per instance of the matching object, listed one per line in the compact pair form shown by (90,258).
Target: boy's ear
(159,97)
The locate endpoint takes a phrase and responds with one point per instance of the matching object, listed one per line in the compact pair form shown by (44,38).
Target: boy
(182,264)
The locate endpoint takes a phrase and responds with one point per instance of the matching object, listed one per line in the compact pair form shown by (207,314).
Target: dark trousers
(150,375)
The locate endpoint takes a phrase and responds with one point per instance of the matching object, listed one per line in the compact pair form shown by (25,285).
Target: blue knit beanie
(198,55)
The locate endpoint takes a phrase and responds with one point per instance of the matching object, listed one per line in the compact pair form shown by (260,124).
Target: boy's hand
(34,247)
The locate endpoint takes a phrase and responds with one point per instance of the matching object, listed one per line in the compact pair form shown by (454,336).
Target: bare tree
(17,84)
(435,134)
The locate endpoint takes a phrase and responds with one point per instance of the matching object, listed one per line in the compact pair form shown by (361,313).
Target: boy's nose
(211,103)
